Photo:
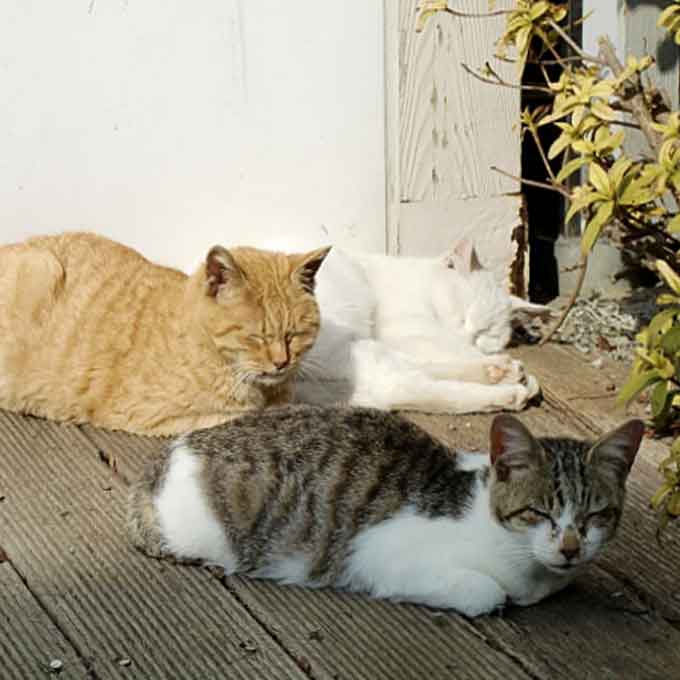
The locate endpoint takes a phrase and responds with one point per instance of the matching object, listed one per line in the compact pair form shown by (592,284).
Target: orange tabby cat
(90,331)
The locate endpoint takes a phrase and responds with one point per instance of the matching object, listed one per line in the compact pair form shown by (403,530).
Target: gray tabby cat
(364,500)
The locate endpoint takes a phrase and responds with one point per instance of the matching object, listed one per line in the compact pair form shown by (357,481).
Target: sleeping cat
(364,500)
(90,331)
(415,333)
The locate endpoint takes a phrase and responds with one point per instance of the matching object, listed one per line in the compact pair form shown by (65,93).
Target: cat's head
(468,298)
(259,310)
(566,496)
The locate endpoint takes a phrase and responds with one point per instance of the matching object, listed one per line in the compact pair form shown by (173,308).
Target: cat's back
(308,432)
(337,456)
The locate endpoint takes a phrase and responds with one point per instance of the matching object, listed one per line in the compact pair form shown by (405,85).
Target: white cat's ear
(513,448)
(617,449)
(463,257)
(520,306)
(220,270)
(306,266)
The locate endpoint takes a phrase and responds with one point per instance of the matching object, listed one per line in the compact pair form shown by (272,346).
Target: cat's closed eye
(535,516)
(600,517)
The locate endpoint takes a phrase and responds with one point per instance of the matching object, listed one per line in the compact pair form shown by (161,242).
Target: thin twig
(499,81)
(547,43)
(539,146)
(474,15)
(625,123)
(533,183)
(575,46)
(570,303)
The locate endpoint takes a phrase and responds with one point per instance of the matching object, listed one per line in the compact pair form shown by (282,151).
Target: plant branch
(574,46)
(583,266)
(637,101)
(539,146)
(497,80)
(533,183)
(471,15)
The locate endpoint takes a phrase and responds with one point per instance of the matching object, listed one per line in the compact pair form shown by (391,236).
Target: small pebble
(603,326)
(2,497)
(316,634)
(124,662)
(618,593)
(597,363)
(56,665)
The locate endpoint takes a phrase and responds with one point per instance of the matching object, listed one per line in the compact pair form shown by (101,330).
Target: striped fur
(90,331)
(365,500)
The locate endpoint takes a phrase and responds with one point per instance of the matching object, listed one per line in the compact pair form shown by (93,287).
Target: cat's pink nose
(280,363)
(571,546)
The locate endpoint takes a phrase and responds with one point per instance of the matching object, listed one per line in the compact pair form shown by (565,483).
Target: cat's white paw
(504,369)
(480,595)
(523,393)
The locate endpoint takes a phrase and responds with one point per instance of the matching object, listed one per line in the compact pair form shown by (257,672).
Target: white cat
(422,334)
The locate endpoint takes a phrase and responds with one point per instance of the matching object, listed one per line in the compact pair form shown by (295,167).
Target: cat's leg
(383,379)
(466,591)
(445,359)
(487,369)
(454,397)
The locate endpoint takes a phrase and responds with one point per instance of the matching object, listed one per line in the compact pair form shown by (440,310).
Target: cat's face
(565,496)
(259,310)
(470,301)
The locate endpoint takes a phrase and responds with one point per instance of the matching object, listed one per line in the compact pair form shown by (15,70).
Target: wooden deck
(72,590)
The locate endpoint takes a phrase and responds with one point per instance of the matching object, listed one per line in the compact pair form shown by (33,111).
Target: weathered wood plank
(62,525)
(430,228)
(349,636)
(29,640)
(453,127)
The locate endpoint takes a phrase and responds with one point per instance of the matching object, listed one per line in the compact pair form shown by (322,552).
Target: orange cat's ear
(306,266)
(220,269)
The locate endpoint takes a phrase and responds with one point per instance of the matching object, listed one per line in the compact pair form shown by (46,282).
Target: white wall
(172,125)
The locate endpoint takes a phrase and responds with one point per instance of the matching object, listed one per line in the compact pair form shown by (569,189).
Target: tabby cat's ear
(220,270)
(616,450)
(305,267)
(463,257)
(513,448)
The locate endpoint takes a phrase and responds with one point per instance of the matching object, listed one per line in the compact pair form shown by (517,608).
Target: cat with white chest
(363,500)
(423,334)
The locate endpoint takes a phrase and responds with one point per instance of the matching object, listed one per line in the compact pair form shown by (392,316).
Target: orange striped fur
(90,331)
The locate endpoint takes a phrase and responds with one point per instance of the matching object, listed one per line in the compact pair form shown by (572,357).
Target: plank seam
(502,649)
(84,660)
(305,668)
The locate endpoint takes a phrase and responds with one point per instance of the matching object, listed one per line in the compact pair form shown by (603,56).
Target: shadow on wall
(667,52)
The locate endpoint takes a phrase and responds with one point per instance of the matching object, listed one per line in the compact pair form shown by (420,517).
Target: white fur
(472,564)
(412,333)
(188,525)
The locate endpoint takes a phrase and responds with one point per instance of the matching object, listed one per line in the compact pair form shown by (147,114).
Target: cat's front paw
(523,394)
(482,595)
(504,369)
